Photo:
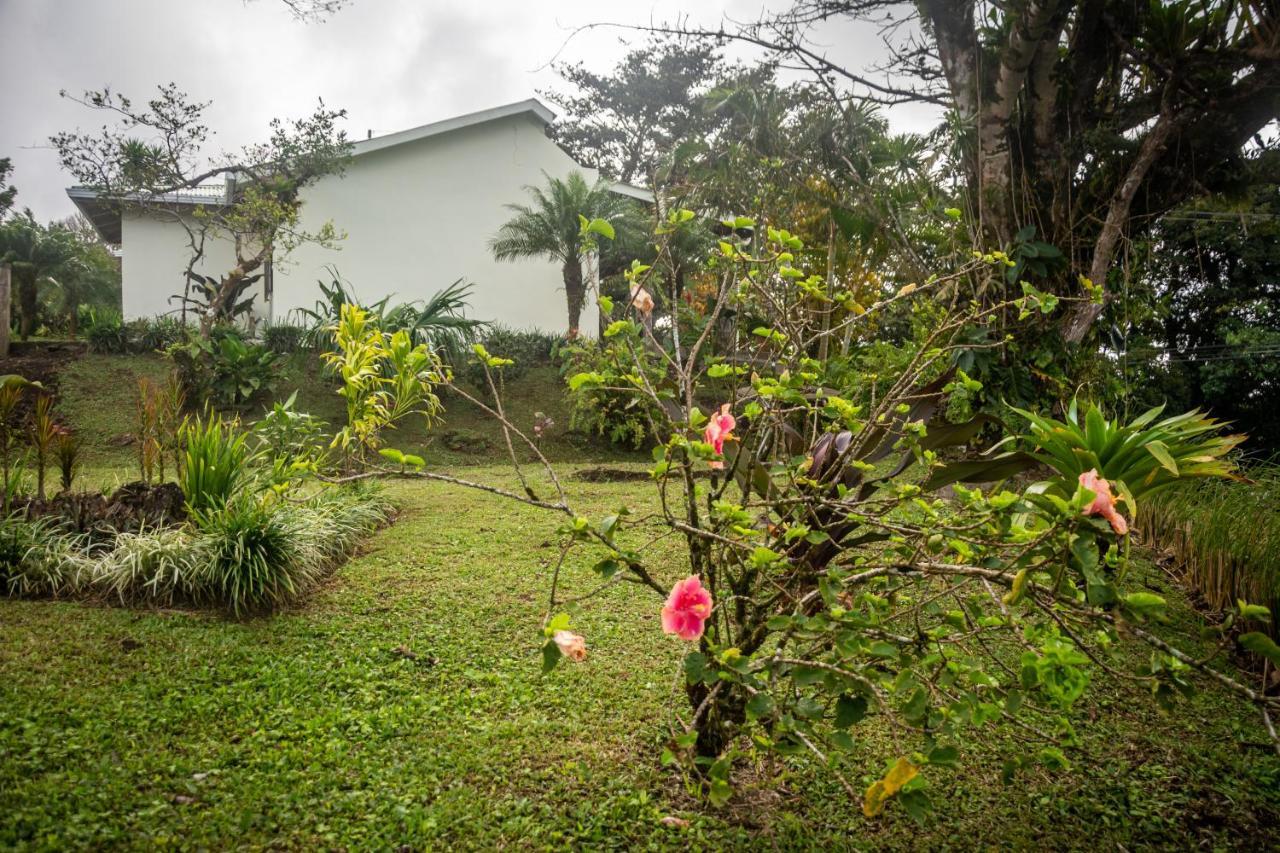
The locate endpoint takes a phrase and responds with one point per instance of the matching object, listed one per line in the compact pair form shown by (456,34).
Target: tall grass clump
(216,462)
(37,557)
(255,556)
(157,566)
(1225,535)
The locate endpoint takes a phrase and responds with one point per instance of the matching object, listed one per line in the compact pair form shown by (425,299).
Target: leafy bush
(38,558)
(285,338)
(158,566)
(154,334)
(105,332)
(385,378)
(224,369)
(440,322)
(1225,536)
(604,379)
(524,347)
(292,442)
(215,462)
(253,559)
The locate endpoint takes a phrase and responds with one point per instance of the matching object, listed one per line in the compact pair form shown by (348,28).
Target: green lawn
(402,704)
(315,728)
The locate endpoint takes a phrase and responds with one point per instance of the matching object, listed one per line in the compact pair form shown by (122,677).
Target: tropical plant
(12,387)
(43,434)
(293,442)
(284,338)
(224,369)
(104,329)
(252,555)
(440,322)
(37,557)
(156,334)
(552,227)
(602,379)
(385,378)
(1138,457)
(216,460)
(34,253)
(67,450)
(219,301)
(1224,536)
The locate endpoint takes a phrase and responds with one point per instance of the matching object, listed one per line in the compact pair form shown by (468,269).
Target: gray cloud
(392,64)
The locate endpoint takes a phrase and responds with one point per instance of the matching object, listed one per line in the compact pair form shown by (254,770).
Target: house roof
(104,212)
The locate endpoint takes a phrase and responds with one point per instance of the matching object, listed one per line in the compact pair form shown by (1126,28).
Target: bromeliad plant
(830,584)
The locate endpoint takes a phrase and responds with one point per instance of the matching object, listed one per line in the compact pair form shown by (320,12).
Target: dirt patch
(41,361)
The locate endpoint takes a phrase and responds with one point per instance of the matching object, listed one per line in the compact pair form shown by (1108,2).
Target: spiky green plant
(43,435)
(159,566)
(216,460)
(39,558)
(1141,457)
(254,559)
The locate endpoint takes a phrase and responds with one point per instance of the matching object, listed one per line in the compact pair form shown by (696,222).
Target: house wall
(153,262)
(417,217)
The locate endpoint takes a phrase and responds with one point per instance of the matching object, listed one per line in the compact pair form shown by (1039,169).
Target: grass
(1225,536)
(402,705)
(98,393)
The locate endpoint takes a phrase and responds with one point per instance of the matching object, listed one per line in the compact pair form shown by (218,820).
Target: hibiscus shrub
(839,572)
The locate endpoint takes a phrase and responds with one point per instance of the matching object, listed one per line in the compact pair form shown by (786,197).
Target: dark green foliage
(152,334)
(1201,326)
(285,338)
(224,369)
(252,556)
(216,462)
(440,322)
(525,347)
(105,332)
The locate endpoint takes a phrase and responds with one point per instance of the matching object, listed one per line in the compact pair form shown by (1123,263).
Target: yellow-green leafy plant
(385,379)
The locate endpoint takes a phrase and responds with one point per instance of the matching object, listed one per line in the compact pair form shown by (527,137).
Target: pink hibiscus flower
(1104,504)
(572,645)
(719,428)
(687,609)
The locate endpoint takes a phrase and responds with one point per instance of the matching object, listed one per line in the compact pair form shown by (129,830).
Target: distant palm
(549,228)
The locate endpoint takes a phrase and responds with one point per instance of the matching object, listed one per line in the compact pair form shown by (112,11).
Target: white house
(418,208)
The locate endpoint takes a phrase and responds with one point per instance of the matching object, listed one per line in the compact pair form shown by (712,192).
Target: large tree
(154,154)
(7,191)
(1079,121)
(627,122)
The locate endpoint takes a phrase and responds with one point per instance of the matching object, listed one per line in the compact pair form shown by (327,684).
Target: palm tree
(34,253)
(550,228)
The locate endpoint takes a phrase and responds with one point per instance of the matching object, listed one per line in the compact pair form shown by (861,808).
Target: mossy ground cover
(402,704)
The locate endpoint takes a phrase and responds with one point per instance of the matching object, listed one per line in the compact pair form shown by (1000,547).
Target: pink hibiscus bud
(687,609)
(641,299)
(719,429)
(1104,504)
(572,645)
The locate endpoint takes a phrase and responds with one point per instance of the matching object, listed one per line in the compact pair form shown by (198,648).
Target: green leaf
(1260,644)
(760,705)
(550,656)
(1158,449)
(392,455)
(850,710)
(607,568)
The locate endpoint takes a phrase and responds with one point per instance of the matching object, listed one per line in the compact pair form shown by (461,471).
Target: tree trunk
(28,304)
(574,293)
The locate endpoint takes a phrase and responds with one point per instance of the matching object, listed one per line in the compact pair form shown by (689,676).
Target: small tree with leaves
(155,152)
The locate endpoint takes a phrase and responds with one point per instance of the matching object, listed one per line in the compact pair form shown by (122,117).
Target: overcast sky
(392,64)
